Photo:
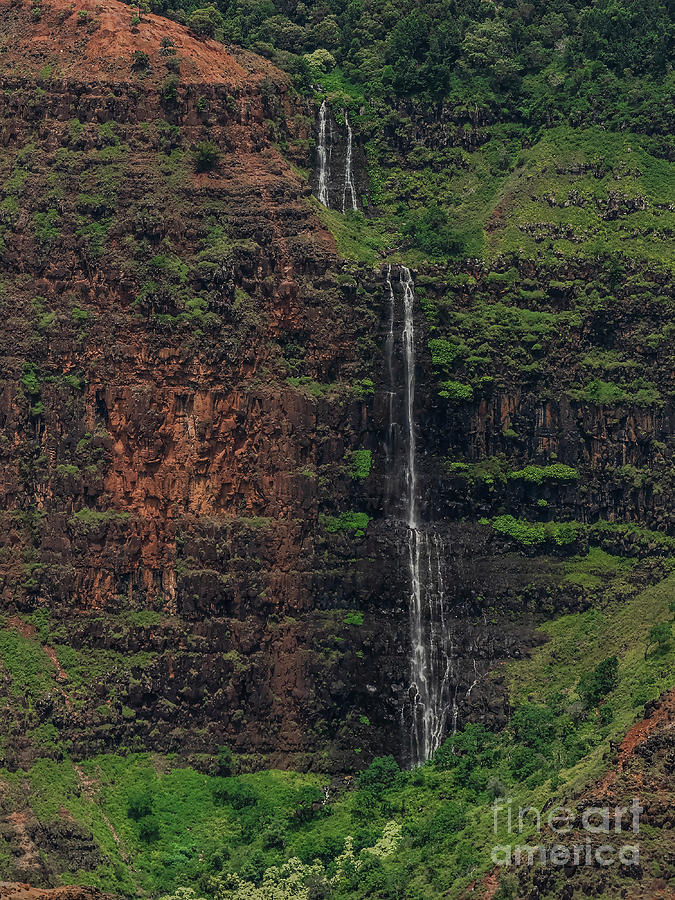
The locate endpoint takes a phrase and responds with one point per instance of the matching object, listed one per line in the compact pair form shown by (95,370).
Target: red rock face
(160,451)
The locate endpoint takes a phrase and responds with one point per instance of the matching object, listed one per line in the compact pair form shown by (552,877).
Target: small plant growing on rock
(167,47)
(206,156)
(135,20)
(173,64)
(169,91)
(224,761)
(141,61)
(82,17)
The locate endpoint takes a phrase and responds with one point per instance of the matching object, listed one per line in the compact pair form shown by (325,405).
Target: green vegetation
(428,830)
(206,156)
(354,523)
(541,474)
(533,534)
(360,462)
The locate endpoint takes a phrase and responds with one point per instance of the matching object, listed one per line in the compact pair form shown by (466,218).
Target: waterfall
(390,446)
(349,180)
(433,655)
(323,151)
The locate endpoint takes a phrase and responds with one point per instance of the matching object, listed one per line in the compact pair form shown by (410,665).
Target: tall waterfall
(433,656)
(349,179)
(323,151)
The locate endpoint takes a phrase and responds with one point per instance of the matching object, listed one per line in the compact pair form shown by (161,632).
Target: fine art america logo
(615,824)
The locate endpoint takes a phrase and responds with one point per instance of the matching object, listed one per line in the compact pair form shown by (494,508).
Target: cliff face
(188,372)
(163,442)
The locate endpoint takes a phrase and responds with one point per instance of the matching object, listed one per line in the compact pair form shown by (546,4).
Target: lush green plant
(354,522)
(540,474)
(361,461)
(139,805)
(455,390)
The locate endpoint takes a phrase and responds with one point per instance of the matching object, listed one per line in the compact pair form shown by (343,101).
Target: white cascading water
(433,658)
(322,151)
(349,179)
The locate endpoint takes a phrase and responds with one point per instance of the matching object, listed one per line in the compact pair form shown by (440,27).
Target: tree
(224,759)
(486,50)
(380,774)
(206,21)
(169,90)
(659,638)
(206,158)
(603,679)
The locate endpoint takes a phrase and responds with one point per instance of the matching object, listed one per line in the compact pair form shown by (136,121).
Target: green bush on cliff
(206,156)
(444,352)
(455,390)
(533,534)
(354,522)
(541,474)
(360,463)
(529,534)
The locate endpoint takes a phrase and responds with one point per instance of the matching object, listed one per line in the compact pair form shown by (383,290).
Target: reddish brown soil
(662,719)
(15,891)
(103,47)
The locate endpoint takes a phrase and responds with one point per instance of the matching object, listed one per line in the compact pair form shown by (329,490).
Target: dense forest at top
(608,61)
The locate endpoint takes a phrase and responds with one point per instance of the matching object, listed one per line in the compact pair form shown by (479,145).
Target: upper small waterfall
(349,179)
(432,667)
(323,155)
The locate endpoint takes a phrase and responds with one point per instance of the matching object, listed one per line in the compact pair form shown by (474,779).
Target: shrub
(354,522)
(306,804)
(526,533)
(148,830)
(443,352)
(169,90)
(234,793)
(380,774)
(206,156)
(455,390)
(539,474)
(224,761)
(139,806)
(360,464)
(659,638)
(431,232)
(140,62)
(603,679)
